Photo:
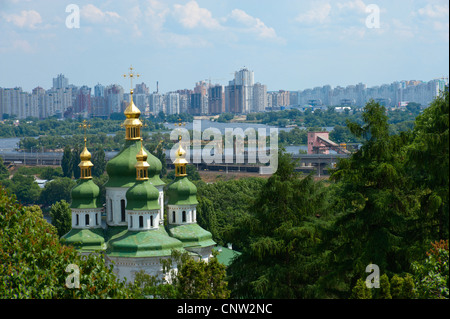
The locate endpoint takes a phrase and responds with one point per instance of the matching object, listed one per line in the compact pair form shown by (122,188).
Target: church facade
(136,235)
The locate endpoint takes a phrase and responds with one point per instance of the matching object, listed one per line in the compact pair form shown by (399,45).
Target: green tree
(361,291)
(49,173)
(385,288)
(99,162)
(34,262)
(25,188)
(66,164)
(231,200)
(372,205)
(61,217)
(431,276)
(206,216)
(57,190)
(428,163)
(201,279)
(75,160)
(192,279)
(3,170)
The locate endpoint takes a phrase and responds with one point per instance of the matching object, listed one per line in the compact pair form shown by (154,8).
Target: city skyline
(242,95)
(289,45)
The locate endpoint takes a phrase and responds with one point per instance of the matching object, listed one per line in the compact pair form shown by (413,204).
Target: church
(136,237)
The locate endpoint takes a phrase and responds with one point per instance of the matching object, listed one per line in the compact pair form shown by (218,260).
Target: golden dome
(132,111)
(85,164)
(85,154)
(141,165)
(141,156)
(180,155)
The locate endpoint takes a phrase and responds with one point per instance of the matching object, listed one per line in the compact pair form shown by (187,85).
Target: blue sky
(289,44)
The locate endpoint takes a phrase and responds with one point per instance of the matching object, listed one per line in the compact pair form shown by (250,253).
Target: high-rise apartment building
(197,102)
(234,98)
(172,103)
(83,101)
(245,78)
(114,98)
(60,82)
(259,97)
(185,100)
(99,90)
(216,99)
(156,103)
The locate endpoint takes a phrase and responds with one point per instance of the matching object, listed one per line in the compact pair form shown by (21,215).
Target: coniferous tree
(75,160)
(428,163)
(373,205)
(99,162)
(66,164)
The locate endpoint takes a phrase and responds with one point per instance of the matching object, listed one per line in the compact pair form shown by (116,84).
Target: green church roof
(148,243)
(85,195)
(142,196)
(85,240)
(121,169)
(192,235)
(225,255)
(182,192)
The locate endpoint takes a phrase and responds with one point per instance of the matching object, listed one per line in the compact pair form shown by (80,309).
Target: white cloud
(95,15)
(434,11)
(191,16)
(318,14)
(436,15)
(253,24)
(27,19)
(355,5)
(155,14)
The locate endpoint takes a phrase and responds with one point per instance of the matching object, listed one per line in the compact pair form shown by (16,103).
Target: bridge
(306,162)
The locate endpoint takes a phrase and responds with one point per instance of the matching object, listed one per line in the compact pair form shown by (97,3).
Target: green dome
(121,170)
(85,240)
(142,196)
(150,243)
(182,192)
(85,195)
(191,235)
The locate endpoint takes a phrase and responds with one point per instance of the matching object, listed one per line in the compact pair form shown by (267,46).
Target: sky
(288,44)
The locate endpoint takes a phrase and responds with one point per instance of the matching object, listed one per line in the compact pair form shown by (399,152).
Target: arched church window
(86,219)
(141,222)
(183,218)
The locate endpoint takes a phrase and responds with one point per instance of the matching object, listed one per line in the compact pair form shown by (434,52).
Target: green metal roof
(192,235)
(225,255)
(85,195)
(85,240)
(142,196)
(148,243)
(121,170)
(182,192)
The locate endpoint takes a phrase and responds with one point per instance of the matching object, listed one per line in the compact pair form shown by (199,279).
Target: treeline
(55,127)
(328,118)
